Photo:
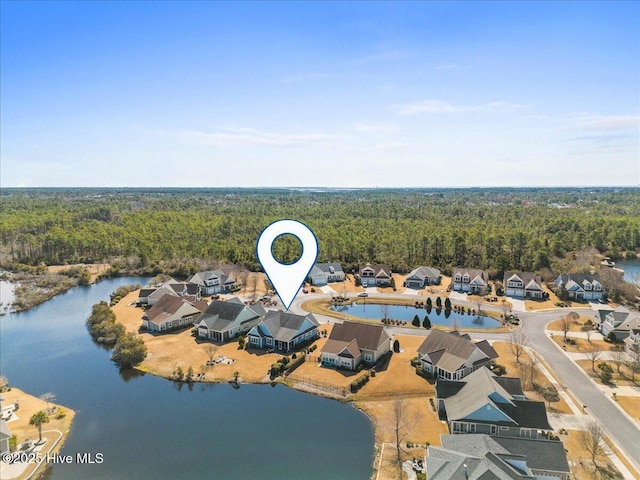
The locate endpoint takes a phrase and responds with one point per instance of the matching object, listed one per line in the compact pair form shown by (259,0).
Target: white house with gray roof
(422,276)
(475,456)
(323,273)
(470,280)
(212,282)
(222,321)
(523,285)
(581,286)
(619,322)
(283,331)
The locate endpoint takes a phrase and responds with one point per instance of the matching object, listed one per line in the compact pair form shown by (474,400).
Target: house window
(493,430)
(472,428)
(269,341)
(504,428)
(367,357)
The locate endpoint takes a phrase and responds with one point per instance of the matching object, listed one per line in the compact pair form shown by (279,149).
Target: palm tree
(38,419)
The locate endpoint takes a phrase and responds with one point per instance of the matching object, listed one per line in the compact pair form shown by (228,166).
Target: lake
(631,269)
(149,427)
(406,313)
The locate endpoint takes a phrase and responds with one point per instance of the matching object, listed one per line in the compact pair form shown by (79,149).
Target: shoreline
(54,432)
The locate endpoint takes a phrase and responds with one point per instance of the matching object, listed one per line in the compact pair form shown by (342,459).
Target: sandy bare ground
(95,269)
(23,431)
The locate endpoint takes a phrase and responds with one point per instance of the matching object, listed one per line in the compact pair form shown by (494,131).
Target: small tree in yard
(241,342)
(447,304)
(517,344)
(588,331)
(550,394)
(129,351)
(396,346)
(594,355)
(438,302)
(210,350)
(606,373)
(429,302)
(618,356)
(633,361)
(426,323)
(416,321)
(565,326)
(592,440)
(37,419)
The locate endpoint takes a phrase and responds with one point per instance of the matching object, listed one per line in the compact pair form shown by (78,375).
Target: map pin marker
(287,279)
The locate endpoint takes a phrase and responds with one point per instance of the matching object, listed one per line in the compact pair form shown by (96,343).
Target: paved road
(623,432)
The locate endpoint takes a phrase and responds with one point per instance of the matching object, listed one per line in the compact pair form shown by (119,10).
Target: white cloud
(441,106)
(604,123)
(230,137)
(389,146)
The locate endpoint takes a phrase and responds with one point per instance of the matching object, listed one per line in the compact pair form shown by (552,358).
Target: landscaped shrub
(360,382)
(499,370)
(296,362)
(415,362)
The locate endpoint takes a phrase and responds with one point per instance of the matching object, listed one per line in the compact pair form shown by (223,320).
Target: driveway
(518,305)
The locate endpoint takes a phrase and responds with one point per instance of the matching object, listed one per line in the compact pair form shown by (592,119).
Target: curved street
(620,429)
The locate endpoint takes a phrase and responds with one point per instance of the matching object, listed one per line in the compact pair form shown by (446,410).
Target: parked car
(363,294)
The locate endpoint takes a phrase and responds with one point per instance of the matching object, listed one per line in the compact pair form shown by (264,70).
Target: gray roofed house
(350,343)
(476,456)
(157,294)
(323,273)
(619,322)
(222,320)
(212,282)
(422,276)
(470,280)
(484,403)
(581,286)
(523,285)
(283,331)
(451,356)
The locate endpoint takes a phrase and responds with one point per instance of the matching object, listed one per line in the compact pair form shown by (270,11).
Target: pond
(149,427)
(631,269)
(407,313)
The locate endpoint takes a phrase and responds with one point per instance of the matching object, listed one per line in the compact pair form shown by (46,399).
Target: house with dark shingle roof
(470,280)
(422,276)
(375,275)
(212,282)
(523,285)
(351,343)
(323,273)
(283,331)
(475,456)
(580,286)
(170,313)
(484,403)
(451,356)
(619,322)
(222,321)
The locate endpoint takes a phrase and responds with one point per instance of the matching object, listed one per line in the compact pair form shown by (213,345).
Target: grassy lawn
(619,379)
(573,327)
(399,280)
(582,345)
(508,360)
(95,269)
(23,431)
(580,460)
(631,405)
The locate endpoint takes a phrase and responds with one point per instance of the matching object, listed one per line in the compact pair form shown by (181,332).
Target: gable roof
(200,278)
(473,273)
(168,308)
(531,281)
(498,457)
(481,389)
(424,272)
(284,326)
(219,315)
(450,351)
(378,270)
(369,336)
(329,268)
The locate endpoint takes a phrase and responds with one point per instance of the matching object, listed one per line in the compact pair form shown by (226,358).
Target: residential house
(452,356)
(375,275)
(523,285)
(483,403)
(351,343)
(283,331)
(470,280)
(580,286)
(222,321)
(619,322)
(212,282)
(158,293)
(189,291)
(423,276)
(171,313)
(632,342)
(5,432)
(477,456)
(323,273)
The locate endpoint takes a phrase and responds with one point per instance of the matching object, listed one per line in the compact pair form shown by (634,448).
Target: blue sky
(417,94)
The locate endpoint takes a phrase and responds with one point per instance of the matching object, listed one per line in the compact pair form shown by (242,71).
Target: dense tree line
(150,230)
